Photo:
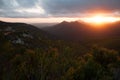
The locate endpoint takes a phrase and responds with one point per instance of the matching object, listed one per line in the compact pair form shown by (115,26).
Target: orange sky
(86,18)
(39,20)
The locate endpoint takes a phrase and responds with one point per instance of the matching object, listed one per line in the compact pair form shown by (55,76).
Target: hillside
(23,34)
(78,31)
(28,53)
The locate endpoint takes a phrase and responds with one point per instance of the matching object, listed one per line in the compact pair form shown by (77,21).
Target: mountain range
(77,31)
(31,36)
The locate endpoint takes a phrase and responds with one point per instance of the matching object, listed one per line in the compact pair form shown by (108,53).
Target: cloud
(1,3)
(27,3)
(55,8)
(21,9)
(62,7)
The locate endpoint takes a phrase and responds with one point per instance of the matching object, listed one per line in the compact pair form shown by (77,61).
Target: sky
(35,11)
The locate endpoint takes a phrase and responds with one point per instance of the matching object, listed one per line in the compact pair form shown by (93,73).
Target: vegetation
(27,53)
(57,60)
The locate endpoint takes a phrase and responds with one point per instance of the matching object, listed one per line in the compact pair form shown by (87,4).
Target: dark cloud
(27,3)
(8,4)
(59,7)
(1,3)
(56,8)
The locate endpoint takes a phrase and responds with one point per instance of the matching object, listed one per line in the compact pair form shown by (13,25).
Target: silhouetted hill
(23,34)
(22,27)
(42,25)
(81,31)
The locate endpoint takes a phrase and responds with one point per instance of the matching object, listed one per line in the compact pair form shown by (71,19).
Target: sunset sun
(100,19)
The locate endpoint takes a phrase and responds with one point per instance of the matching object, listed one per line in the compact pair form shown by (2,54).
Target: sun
(97,19)
(100,19)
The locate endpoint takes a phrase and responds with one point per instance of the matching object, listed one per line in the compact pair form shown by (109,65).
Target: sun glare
(99,19)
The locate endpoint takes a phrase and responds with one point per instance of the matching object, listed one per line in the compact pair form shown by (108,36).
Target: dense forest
(34,56)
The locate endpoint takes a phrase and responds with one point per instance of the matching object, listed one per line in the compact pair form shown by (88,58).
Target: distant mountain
(42,25)
(81,31)
(23,34)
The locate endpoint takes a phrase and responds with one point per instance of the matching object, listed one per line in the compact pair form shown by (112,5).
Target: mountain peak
(64,22)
